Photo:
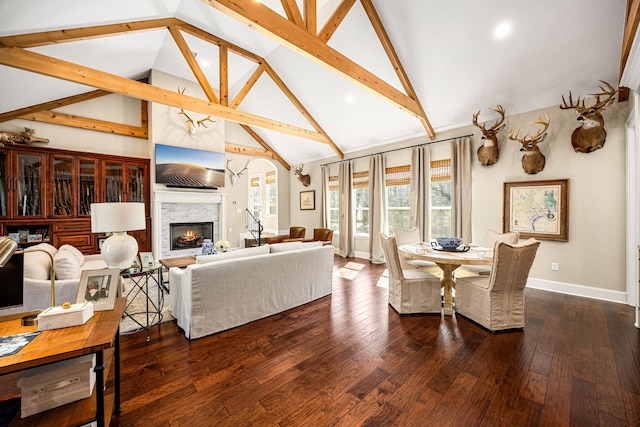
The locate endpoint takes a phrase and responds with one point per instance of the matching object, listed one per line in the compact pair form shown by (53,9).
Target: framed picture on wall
(538,209)
(308,200)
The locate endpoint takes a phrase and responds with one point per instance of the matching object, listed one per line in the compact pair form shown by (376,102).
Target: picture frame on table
(308,200)
(146,259)
(538,209)
(99,287)
(135,264)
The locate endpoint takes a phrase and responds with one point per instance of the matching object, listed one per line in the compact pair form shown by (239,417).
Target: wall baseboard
(578,290)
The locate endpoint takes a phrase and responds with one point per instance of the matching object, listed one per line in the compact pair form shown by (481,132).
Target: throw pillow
(74,251)
(66,265)
(37,264)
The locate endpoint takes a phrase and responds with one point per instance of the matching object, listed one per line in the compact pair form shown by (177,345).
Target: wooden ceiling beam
(52,67)
(335,20)
(247,151)
(395,62)
(293,13)
(283,87)
(193,64)
(75,34)
(272,24)
(244,91)
(57,118)
(224,75)
(630,29)
(266,146)
(311,16)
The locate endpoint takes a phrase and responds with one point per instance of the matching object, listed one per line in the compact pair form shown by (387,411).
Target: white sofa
(68,262)
(223,291)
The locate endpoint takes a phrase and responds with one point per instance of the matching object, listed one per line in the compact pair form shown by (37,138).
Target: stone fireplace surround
(185,206)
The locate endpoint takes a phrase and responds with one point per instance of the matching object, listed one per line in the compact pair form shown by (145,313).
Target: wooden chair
(297,232)
(410,291)
(324,235)
(497,301)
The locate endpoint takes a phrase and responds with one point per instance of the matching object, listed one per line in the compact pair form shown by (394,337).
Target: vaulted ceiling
(311,79)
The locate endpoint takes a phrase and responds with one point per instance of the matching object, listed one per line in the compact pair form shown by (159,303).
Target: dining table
(448,261)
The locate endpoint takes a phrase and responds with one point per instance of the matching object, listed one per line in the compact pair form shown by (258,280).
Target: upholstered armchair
(511,237)
(297,232)
(406,237)
(413,290)
(324,235)
(497,301)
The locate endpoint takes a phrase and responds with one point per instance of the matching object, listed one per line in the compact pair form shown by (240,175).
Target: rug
(350,270)
(135,316)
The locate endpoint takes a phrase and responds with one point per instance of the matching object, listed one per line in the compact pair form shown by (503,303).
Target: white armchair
(511,237)
(406,237)
(497,301)
(410,291)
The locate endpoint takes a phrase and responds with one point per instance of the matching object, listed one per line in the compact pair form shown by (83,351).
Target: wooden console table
(100,335)
(180,262)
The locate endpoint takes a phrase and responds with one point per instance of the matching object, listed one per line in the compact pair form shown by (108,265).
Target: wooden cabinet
(54,189)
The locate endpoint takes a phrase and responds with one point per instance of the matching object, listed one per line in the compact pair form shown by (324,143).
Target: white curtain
(420,191)
(461,189)
(324,196)
(345,184)
(377,207)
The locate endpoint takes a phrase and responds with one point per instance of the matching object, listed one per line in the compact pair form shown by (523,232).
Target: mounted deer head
(233,175)
(591,135)
(191,125)
(488,152)
(304,179)
(533,160)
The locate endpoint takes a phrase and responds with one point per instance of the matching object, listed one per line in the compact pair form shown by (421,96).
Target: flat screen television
(11,282)
(189,167)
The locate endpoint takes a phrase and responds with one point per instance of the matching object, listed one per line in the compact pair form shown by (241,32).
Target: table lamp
(119,250)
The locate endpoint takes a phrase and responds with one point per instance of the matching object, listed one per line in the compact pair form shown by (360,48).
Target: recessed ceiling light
(205,64)
(502,30)
(349,98)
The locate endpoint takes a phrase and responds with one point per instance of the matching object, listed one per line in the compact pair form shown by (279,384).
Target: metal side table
(140,278)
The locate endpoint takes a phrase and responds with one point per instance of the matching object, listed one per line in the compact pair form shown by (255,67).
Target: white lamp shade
(111,217)
(119,250)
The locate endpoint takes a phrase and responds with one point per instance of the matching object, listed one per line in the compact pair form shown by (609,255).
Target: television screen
(11,282)
(189,168)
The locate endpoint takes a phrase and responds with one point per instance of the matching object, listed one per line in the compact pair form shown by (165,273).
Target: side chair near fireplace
(410,290)
(497,301)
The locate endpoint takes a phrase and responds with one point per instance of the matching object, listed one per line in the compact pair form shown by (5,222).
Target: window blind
(440,170)
(398,175)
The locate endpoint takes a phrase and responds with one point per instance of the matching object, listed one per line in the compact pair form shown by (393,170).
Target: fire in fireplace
(189,235)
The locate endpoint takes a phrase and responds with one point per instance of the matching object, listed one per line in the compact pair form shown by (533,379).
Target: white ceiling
(448,50)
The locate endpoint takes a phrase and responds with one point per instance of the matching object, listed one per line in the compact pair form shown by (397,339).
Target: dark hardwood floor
(349,359)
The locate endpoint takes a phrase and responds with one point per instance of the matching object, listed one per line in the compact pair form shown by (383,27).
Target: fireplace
(189,235)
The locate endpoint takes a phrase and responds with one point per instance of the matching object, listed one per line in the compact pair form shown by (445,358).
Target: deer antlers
(234,176)
(488,152)
(538,137)
(533,160)
(609,92)
(191,125)
(494,129)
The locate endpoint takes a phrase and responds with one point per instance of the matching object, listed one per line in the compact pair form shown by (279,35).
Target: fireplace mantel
(185,198)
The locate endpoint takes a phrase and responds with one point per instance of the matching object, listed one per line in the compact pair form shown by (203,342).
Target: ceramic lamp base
(119,250)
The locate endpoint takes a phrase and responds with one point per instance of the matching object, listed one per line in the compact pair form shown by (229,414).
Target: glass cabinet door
(87,168)
(113,182)
(29,191)
(63,188)
(136,183)
(4,182)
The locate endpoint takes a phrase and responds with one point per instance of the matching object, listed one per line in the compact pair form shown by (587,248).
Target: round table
(448,261)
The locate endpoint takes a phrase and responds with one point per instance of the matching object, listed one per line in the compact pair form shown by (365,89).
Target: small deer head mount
(305,179)
(591,135)
(192,125)
(533,160)
(233,175)
(488,152)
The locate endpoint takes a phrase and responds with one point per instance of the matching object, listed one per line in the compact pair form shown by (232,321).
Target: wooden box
(58,317)
(59,383)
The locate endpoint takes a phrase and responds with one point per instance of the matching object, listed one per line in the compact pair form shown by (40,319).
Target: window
(334,204)
(272,199)
(398,185)
(255,197)
(440,172)
(361,200)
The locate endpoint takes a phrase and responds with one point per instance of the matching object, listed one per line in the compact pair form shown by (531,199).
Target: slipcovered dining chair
(497,301)
(410,291)
(407,237)
(493,236)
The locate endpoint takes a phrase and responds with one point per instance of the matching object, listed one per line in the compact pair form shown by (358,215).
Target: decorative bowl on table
(449,242)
